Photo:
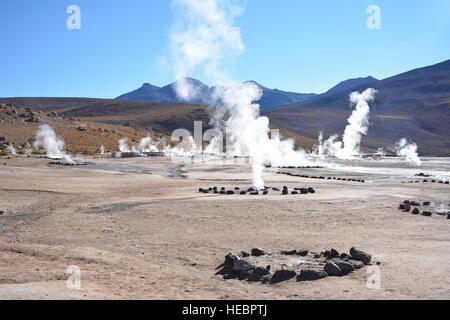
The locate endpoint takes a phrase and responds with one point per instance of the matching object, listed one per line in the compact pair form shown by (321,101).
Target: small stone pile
(255,191)
(425,181)
(297,167)
(259,266)
(413,207)
(67,163)
(320,177)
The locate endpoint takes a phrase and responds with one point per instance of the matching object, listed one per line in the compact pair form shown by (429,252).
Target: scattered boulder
(242,265)
(311,190)
(426,213)
(230,259)
(357,264)
(427,203)
(289,253)
(245,254)
(415,211)
(311,275)
(302,252)
(258,252)
(333,253)
(360,255)
(346,267)
(332,269)
(257,274)
(282,275)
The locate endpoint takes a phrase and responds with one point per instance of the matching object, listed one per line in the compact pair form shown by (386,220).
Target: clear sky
(296,45)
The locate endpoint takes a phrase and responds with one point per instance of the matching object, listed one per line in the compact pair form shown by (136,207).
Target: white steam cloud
(54,147)
(358,124)
(203,38)
(408,150)
(11,149)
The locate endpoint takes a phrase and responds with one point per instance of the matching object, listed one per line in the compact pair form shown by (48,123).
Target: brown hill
(18,126)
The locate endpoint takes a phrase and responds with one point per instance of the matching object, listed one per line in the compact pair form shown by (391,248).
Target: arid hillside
(18,127)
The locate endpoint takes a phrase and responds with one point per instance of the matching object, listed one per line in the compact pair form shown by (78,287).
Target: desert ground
(137,230)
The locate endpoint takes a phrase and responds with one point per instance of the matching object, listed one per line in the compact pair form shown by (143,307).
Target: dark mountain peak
(149,86)
(348,84)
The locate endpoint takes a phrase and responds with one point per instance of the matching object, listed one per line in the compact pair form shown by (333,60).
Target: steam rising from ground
(11,149)
(408,150)
(54,147)
(358,124)
(203,38)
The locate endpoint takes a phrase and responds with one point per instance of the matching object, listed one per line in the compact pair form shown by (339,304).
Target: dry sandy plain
(137,233)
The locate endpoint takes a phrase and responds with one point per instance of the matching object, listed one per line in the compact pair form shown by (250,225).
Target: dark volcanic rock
(427,213)
(333,253)
(257,274)
(242,265)
(258,252)
(245,254)
(289,253)
(282,275)
(311,275)
(311,190)
(230,259)
(303,252)
(346,267)
(415,211)
(360,255)
(332,269)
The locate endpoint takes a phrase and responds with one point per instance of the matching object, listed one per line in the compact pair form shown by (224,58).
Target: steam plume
(11,149)
(54,147)
(358,123)
(408,150)
(204,37)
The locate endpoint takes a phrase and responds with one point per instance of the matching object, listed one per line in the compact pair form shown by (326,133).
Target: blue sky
(296,45)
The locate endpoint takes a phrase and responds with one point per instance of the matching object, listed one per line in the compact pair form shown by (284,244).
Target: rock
(243,192)
(344,255)
(406,202)
(245,254)
(258,252)
(426,203)
(346,267)
(230,192)
(302,252)
(242,265)
(333,253)
(254,193)
(200,190)
(407,208)
(230,259)
(237,188)
(415,211)
(448,215)
(360,255)
(303,190)
(332,269)
(415,204)
(357,264)
(426,213)
(401,206)
(311,275)
(257,274)
(282,275)
(311,190)
(289,253)
(294,192)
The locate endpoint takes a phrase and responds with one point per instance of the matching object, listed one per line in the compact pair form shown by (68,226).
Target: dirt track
(146,236)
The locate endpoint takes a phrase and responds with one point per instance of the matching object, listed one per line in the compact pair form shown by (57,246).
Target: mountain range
(414,104)
(270,97)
